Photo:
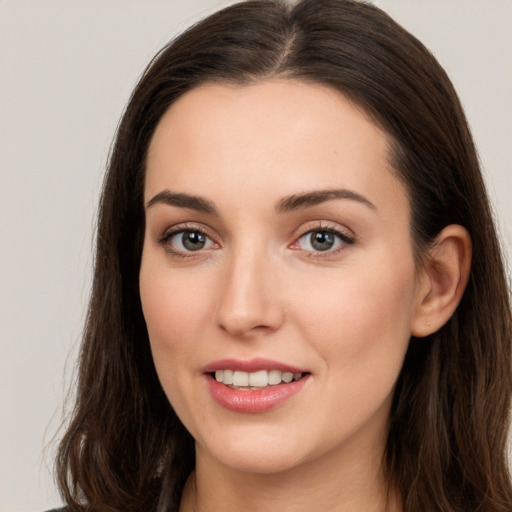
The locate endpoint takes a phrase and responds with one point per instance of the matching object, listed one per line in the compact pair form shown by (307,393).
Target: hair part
(125,449)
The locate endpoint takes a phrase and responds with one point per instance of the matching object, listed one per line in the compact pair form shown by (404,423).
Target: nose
(250,303)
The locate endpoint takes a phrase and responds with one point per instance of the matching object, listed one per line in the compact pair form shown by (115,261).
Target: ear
(443,280)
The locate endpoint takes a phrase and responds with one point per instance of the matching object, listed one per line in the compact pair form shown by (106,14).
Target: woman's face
(277,246)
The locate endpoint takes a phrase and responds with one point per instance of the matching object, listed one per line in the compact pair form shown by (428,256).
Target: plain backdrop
(66,70)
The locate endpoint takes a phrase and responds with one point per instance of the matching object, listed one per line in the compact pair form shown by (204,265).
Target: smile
(248,381)
(253,386)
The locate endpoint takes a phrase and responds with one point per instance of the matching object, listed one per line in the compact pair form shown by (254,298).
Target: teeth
(260,379)
(228,377)
(287,377)
(240,378)
(274,377)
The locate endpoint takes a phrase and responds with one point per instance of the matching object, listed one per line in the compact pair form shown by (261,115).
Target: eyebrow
(308,199)
(182,201)
(285,205)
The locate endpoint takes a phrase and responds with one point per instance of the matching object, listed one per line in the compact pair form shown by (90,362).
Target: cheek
(361,331)
(174,315)
(172,302)
(175,310)
(364,319)
(168,312)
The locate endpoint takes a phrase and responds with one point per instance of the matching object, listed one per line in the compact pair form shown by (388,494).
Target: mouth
(254,381)
(254,386)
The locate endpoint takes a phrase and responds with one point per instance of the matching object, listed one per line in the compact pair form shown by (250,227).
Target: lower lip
(253,401)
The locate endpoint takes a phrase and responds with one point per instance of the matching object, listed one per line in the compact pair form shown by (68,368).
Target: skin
(258,288)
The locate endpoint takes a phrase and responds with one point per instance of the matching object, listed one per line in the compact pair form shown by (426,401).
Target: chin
(260,454)
(262,463)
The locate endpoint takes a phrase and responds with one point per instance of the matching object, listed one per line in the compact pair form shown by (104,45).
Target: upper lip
(251,365)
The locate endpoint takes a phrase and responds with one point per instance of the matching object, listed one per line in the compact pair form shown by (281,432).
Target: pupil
(193,241)
(322,241)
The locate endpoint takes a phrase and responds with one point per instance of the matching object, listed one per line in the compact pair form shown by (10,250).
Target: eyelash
(181,229)
(343,238)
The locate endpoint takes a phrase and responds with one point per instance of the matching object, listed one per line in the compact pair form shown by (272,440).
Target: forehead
(283,136)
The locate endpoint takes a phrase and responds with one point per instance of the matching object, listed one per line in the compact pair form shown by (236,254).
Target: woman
(299,300)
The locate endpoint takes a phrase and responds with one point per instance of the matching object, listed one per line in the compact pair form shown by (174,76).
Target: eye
(187,240)
(323,240)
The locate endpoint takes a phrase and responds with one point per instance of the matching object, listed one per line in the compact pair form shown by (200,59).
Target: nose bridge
(249,300)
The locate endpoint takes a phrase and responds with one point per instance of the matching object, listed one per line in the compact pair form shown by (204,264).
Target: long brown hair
(125,449)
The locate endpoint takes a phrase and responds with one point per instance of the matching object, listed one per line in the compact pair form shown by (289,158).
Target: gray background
(66,70)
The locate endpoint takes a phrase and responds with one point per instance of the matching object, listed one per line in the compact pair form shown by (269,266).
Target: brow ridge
(313,198)
(182,200)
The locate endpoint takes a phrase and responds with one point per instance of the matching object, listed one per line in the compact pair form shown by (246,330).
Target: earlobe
(444,279)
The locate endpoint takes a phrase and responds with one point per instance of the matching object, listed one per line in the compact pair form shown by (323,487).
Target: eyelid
(323,225)
(346,235)
(184,227)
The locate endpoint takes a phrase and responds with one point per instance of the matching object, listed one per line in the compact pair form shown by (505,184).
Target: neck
(331,483)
